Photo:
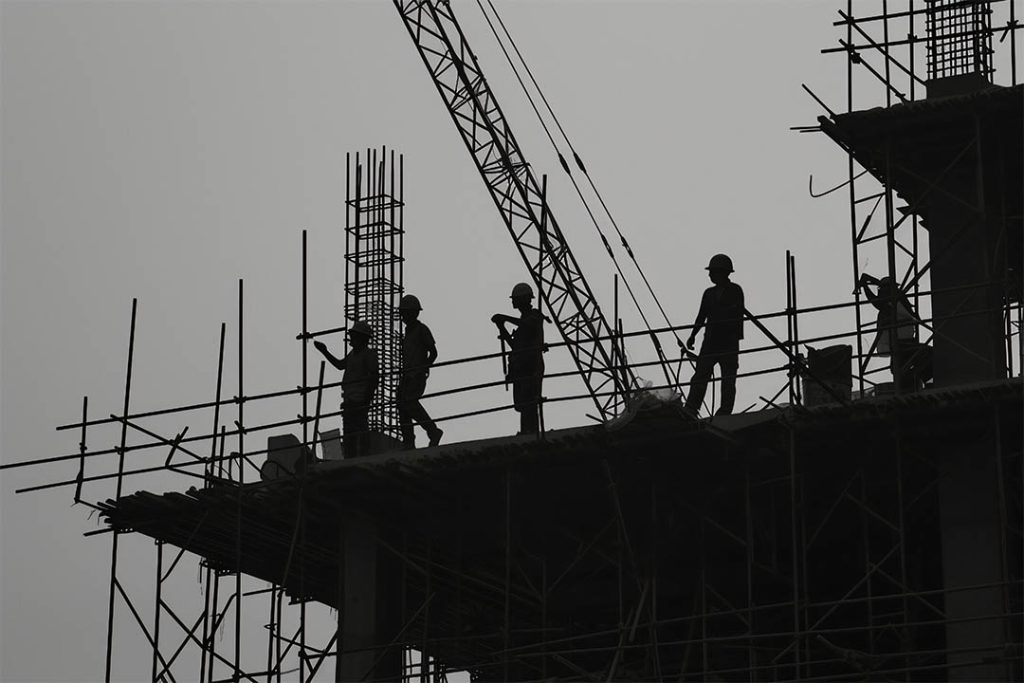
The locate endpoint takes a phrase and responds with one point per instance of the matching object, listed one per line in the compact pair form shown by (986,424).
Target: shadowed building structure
(873,537)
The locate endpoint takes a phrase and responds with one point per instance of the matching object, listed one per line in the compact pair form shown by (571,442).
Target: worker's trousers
(526,401)
(728,362)
(355,427)
(410,390)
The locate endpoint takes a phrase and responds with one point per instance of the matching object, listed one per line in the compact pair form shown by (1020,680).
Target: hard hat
(720,262)
(410,303)
(359,327)
(522,289)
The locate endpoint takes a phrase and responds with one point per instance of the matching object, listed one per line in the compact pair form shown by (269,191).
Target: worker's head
(409,308)
(719,268)
(522,296)
(359,334)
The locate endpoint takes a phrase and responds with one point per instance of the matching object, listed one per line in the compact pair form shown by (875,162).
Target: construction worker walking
(419,352)
(358,384)
(526,359)
(721,313)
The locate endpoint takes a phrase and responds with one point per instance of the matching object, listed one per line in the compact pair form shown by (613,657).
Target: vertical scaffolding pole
(120,475)
(241,480)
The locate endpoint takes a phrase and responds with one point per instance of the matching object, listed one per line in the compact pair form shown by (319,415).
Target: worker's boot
(435,436)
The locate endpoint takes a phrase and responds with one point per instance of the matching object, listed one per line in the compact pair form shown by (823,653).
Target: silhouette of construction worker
(721,313)
(418,353)
(358,384)
(526,359)
(909,360)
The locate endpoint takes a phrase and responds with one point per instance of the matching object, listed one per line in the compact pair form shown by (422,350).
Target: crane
(520,199)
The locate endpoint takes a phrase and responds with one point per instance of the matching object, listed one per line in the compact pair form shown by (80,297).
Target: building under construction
(851,528)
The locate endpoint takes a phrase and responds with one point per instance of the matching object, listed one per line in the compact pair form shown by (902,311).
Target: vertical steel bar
(704,663)
(305,444)
(795,551)
(82,449)
(617,353)
(216,405)
(271,630)
(508,568)
(896,353)
(1013,42)
(424,657)
(156,607)
(212,643)
(540,270)
(865,526)
(885,43)
(851,184)
(904,578)
(207,583)
(911,64)
(120,474)
(544,617)
(790,374)
(241,480)
(796,325)
(749,515)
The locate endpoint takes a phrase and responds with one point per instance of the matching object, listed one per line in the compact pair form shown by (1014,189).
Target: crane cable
(663,361)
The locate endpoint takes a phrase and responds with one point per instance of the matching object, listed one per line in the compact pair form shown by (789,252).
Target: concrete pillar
(971,556)
(367,620)
(968,269)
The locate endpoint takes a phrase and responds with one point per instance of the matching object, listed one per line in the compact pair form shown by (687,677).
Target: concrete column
(367,621)
(972,556)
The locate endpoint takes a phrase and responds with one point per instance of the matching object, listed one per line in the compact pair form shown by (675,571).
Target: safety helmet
(720,262)
(410,303)
(359,327)
(522,290)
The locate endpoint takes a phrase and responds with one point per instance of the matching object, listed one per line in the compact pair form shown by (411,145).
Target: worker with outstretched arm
(526,356)
(358,384)
(721,317)
(419,351)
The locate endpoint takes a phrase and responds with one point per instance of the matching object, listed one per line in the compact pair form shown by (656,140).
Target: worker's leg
(526,399)
(699,382)
(410,409)
(405,390)
(356,426)
(729,364)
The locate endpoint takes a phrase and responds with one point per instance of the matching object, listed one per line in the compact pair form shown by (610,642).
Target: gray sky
(163,150)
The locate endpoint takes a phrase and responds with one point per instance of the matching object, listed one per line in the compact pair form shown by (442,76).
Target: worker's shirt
(527,356)
(417,344)
(721,311)
(893,329)
(360,378)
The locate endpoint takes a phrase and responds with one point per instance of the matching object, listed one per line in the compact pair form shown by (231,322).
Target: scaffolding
(795,541)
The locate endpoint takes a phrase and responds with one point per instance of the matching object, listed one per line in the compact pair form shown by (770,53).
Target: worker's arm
(500,319)
(431,355)
(702,317)
(322,348)
(872,298)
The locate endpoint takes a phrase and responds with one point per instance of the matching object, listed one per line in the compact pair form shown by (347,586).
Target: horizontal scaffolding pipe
(235,400)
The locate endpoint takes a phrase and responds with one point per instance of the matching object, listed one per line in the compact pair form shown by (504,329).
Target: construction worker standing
(418,353)
(909,360)
(358,384)
(526,360)
(721,312)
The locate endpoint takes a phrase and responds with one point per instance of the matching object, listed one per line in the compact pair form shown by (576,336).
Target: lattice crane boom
(519,198)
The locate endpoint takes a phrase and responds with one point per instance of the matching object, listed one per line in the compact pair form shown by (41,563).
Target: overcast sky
(163,150)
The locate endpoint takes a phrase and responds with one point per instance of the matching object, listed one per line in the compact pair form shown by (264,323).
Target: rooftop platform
(655,520)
